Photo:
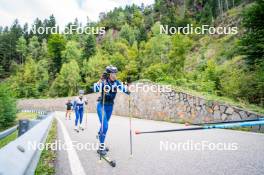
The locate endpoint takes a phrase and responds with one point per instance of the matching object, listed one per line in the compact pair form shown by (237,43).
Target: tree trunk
(227,6)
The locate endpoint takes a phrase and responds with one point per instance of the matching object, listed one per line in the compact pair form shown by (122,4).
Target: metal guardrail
(7,132)
(42,115)
(18,157)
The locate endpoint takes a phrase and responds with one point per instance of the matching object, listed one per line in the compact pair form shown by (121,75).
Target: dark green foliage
(206,10)
(46,23)
(7,107)
(90,46)
(253,41)
(165,12)
(8,42)
(206,14)
(56,44)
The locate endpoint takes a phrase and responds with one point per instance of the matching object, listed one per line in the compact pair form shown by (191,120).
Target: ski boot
(106,147)
(102,151)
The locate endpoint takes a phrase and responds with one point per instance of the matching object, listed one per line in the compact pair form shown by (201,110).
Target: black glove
(104,76)
(129,80)
(115,88)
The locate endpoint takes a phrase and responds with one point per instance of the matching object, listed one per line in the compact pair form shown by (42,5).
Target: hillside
(221,66)
(219,56)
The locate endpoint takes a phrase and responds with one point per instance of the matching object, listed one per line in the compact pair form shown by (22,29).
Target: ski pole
(130,127)
(217,126)
(86,113)
(234,121)
(130,119)
(168,130)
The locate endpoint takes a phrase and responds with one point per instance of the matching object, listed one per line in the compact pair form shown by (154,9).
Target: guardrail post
(23,126)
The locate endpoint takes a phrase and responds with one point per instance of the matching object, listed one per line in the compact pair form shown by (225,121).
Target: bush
(155,72)
(237,81)
(7,107)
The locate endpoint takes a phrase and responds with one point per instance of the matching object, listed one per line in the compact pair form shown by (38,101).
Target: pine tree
(56,44)
(90,47)
(34,48)
(253,41)
(21,48)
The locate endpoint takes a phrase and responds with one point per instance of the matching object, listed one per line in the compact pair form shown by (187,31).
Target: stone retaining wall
(167,106)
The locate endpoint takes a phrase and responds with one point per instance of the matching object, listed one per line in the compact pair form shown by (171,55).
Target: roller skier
(78,106)
(107,86)
(68,109)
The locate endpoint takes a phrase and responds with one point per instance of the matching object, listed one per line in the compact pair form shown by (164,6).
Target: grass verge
(8,139)
(46,164)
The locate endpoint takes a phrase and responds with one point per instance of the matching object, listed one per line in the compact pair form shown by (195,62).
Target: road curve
(243,151)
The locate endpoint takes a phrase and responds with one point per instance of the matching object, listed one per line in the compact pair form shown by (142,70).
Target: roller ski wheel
(107,158)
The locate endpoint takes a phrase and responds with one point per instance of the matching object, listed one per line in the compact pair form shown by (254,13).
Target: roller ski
(103,154)
(81,128)
(76,129)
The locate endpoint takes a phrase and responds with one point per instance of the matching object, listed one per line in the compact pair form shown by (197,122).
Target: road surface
(217,151)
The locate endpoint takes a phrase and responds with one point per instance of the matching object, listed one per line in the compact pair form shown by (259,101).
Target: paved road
(151,157)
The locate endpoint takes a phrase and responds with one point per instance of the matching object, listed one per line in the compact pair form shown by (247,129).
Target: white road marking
(75,164)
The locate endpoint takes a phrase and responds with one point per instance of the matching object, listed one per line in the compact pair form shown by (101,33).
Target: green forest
(228,67)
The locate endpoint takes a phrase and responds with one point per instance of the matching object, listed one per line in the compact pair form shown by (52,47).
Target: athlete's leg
(99,113)
(66,114)
(81,115)
(108,111)
(102,130)
(76,116)
(70,111)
